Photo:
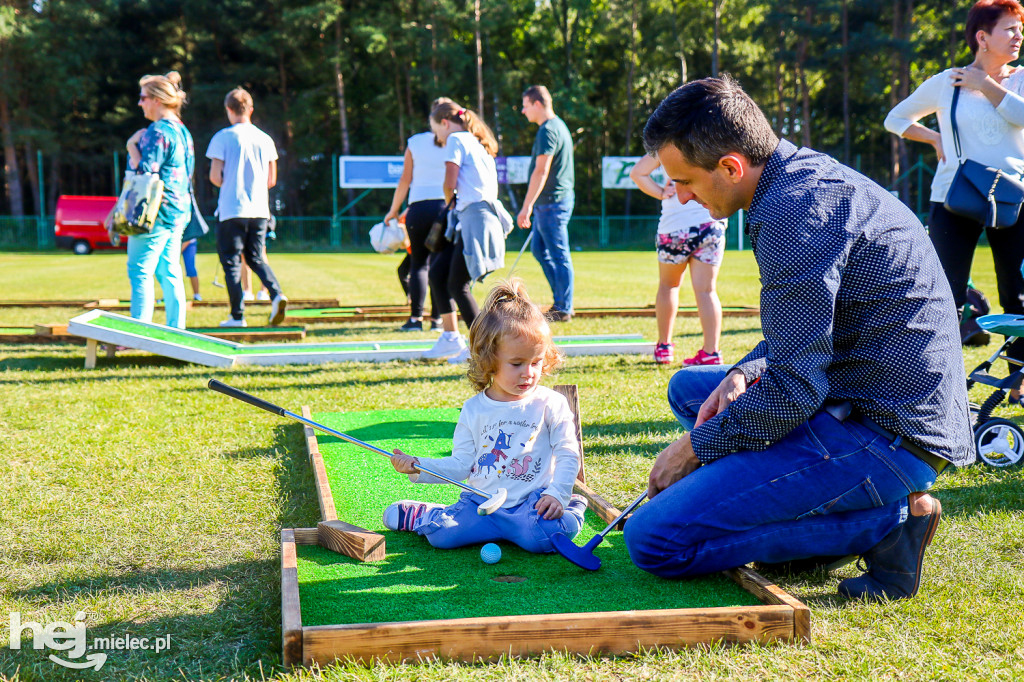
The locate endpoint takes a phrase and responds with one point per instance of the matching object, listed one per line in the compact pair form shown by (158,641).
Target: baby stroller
(999,442)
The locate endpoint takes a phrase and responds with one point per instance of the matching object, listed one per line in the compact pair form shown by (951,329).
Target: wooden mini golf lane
(113,329)
(418,582)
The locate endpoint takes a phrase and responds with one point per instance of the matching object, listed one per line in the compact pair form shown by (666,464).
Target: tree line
(357,76)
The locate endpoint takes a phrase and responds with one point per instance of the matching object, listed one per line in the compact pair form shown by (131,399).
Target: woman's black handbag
(986,195)
(436,242)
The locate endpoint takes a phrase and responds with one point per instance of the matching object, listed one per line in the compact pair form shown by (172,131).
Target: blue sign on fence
(369,171)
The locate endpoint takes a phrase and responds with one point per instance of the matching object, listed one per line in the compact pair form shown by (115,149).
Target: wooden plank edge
(611,633)
(324,496)
(352,541)
(572,396)
(291,610)
(598,504)
(770,593)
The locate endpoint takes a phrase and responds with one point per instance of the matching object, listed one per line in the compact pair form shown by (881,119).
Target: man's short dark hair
(538,93)
(707,119)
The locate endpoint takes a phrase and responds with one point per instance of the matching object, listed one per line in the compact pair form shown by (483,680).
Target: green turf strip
(242,330)
(213,345)
(351,312)
(130,326)
(418,582)
(17,331)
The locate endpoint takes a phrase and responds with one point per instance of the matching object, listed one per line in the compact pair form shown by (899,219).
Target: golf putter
(521,251)
(492,503)
(584,556)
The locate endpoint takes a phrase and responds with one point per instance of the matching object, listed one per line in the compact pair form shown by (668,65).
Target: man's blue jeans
(829,488)
(550,247)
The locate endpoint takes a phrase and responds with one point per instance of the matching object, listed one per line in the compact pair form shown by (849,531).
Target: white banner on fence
(369,171)
(385,171)
(615,172)
(513,170)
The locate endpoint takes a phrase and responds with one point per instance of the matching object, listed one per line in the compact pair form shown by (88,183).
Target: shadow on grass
(237,635)
(1003,491)
(231,638)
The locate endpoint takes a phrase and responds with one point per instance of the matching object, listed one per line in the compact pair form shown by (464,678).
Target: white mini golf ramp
(102,327)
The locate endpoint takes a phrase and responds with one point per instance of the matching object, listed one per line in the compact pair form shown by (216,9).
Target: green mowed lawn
(153,505)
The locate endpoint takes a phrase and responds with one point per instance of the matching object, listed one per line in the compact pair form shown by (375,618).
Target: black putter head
(581,556)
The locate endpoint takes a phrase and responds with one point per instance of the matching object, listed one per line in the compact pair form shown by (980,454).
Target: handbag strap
(952,120)
(447,207)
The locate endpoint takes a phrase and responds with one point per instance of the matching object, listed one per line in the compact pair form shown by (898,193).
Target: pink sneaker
(663,353)
(702,358)
(406,514)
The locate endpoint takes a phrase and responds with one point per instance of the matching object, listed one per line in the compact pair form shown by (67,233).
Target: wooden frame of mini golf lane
(780,618)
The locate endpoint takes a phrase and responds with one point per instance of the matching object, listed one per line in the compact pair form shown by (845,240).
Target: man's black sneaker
(412,326)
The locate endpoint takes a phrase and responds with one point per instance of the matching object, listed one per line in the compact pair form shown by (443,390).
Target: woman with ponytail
(477,226)
(164,148)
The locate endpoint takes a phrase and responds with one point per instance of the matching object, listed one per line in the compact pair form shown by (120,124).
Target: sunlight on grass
(133,493)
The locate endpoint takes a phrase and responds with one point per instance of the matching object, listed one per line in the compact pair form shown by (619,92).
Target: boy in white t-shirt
(244,166)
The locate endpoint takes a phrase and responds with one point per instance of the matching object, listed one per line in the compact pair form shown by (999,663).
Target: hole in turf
(509,579)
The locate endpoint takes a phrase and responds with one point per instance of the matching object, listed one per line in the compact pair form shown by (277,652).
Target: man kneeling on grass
(819,444)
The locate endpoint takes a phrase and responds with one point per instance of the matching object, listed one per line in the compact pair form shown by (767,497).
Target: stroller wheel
(1000,442)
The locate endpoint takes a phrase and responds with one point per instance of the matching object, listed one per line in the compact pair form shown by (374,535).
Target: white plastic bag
(388,237)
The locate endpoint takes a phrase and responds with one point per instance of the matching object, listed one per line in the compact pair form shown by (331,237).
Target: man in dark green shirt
(550,199)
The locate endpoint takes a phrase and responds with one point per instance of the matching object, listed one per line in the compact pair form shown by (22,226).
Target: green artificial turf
(329,313)
(222,347)
(418,582)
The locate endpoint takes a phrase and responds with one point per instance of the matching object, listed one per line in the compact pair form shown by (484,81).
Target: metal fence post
(42,237)
(602,231)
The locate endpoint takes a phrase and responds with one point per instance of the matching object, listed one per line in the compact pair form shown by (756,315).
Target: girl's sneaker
(702,358)
(447,345)
(462,357)
(406,514)
(663,353)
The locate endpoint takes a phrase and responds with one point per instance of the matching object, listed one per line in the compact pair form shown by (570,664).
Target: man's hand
(523,219)
(673,463)
(548,507)
(733,386)
(403,463)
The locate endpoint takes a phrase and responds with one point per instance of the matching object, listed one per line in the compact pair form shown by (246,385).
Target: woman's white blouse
(990,135)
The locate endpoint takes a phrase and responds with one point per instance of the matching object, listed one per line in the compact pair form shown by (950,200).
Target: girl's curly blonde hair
(507,312)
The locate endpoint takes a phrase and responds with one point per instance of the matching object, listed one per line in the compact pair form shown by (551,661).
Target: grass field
(153,505)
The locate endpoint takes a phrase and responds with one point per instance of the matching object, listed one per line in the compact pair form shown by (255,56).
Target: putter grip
(221,387)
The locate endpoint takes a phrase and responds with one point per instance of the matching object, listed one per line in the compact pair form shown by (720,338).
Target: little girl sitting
(513,434)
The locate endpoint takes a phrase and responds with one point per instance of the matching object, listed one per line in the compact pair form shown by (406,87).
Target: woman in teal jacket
(165,148)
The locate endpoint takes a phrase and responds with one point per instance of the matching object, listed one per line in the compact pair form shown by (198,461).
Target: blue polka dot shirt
(854,306)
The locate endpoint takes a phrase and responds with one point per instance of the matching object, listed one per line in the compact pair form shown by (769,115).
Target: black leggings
(418,220)
(955,239)
(449,283)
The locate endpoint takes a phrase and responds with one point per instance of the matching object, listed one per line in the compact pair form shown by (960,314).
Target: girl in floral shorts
(687,235)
